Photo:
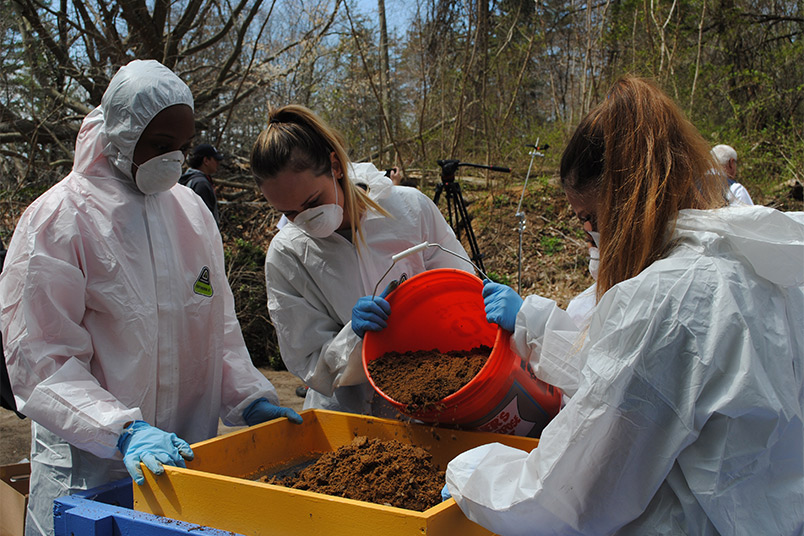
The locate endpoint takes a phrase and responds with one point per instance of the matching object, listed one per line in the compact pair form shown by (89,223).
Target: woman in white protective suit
(687,406)
(346,221)
(120,334)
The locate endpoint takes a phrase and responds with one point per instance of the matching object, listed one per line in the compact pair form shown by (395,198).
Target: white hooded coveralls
(313,284)
(687,411)
(101,322)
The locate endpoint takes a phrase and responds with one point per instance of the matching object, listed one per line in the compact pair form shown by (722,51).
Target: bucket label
(508,421)
(518,413)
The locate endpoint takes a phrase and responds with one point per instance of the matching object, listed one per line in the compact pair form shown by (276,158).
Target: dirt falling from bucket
(382,472)
(421,379)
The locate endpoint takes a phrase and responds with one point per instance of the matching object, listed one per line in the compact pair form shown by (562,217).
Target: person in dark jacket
(203,165)
(6,396)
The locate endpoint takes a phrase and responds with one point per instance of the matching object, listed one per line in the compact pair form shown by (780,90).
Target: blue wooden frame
(108,511)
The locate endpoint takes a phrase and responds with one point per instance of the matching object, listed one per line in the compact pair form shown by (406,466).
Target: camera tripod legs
(459,217)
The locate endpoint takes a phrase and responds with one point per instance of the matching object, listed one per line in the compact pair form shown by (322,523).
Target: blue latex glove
(141,442)
(502,304)
(371,314)
(445,494)
(261,411)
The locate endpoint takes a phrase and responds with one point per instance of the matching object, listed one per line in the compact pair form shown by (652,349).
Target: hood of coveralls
(136,94)
(772,242)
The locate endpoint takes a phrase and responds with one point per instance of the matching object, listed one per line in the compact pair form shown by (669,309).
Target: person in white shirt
(726,156)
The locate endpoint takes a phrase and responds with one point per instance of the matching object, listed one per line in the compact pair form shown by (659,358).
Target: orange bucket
(443,310)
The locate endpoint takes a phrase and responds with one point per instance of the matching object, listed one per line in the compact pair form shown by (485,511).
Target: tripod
(456,207)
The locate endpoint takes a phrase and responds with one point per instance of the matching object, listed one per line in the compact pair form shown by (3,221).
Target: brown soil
(381,472)
(423,378)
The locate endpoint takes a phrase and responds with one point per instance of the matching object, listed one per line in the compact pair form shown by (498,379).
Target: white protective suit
(687,416)
(100,319)
(581,307)
(313,284)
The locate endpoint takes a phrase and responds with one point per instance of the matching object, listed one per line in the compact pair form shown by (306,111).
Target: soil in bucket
(369,469)
(423,378)
(444,309)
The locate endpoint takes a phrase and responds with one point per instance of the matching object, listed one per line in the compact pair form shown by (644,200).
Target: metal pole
(521,215)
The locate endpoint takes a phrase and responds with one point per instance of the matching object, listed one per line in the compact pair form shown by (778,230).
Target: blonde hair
(297,139)
(645,162)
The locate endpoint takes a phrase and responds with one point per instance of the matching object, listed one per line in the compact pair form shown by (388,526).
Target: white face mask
(323,220)
(160,173)
(594,261)
(595,237)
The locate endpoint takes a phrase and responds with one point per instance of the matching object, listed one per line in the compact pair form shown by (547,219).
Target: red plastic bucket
(443,310)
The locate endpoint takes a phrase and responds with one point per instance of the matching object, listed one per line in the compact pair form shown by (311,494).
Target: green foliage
(499,278)
(501,200)
(551,245)
(244,262)
(765,159)
(245,255)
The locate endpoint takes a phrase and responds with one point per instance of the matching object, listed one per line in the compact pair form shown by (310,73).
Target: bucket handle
(417,248)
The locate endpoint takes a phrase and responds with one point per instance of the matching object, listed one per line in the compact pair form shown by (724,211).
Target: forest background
(409,83)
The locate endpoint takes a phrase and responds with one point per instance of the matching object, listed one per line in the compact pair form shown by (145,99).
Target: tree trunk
(385,90)
(477,112)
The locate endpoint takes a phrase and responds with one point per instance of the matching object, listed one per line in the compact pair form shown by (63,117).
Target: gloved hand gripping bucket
(443,309)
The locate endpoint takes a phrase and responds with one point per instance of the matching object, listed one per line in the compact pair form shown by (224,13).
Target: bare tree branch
(218,36)
(374,89)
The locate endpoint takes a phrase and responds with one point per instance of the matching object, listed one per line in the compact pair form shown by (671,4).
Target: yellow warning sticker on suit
(202,285)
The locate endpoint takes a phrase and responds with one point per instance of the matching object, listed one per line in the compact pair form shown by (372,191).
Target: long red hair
(645,162)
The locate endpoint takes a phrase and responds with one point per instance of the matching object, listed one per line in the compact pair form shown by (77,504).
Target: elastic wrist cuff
(128,431)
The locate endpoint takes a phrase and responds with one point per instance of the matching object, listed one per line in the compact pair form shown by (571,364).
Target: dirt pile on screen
(369,469)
